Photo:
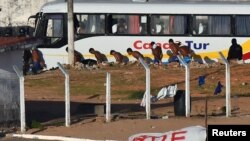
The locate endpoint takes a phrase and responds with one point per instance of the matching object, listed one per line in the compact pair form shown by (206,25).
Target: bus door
(53,30)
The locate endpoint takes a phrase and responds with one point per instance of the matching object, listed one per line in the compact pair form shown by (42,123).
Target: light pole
(70,32)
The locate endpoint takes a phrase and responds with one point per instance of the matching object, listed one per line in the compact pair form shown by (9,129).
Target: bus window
(166,24)
(54,27)
(200,25)
(242,25)
(211,25)
(128,24)
(91,24)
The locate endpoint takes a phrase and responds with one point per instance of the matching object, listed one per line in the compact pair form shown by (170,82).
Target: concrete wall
(16,12)
(9,88)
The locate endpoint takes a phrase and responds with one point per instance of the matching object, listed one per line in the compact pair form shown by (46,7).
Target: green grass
(41,82)
(128,82)
(136,95)
(36,124)
(87,89)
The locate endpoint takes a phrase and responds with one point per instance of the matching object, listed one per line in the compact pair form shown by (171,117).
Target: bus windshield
(51,27)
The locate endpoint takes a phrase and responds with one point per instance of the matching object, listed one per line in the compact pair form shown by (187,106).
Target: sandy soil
(45,104)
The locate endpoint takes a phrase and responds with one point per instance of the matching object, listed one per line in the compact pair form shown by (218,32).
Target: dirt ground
(45,100)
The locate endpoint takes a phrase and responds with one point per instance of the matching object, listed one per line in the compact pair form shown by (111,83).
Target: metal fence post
(228,85)
(148,112)
(22,99)
(67,95)
(187,86)
(108,98)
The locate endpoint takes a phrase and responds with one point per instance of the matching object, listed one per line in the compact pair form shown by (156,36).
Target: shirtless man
(118,57)
(135,54)
(77,56)
(37,60)
(101,58)
(177,49)
(157,52)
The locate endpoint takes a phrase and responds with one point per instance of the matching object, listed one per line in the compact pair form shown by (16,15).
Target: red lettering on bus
(158,44)
(177,137)
(146,46)
(165,46)
(138,44)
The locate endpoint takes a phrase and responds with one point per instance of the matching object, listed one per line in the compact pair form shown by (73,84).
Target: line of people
(235,52)
(34,61)
(175,49)
(121,59)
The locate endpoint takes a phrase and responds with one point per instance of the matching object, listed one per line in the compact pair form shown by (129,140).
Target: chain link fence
(9,99)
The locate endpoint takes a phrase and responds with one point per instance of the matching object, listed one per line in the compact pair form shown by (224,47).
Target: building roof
(17,43)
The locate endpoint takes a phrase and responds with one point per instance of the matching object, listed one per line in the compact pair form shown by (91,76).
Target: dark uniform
(235,51)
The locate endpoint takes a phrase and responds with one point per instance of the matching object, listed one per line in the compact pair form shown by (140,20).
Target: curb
(59,138)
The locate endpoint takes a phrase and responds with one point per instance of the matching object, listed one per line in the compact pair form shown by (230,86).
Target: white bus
(206,27)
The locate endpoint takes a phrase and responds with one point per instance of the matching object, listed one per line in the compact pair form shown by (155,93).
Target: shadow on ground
(46,111)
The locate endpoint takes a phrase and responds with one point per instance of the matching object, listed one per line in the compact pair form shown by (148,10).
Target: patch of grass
(241,94)
(87,89)
(128,82)
(58,124)
(41,82)
(121,92)
(136,95)
(36,124)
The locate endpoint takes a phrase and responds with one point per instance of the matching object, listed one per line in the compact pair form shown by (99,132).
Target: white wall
(17,12)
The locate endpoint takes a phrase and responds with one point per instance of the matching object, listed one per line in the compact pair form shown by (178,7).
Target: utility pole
(70,33)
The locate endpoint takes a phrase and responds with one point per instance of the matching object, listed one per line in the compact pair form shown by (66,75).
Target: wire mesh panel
(9,98)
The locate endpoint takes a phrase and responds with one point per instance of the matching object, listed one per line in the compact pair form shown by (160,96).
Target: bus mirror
(32,21)
(32,17)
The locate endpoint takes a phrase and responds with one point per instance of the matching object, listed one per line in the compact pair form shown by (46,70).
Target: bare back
(184,50)
(177,49)
(137,55)
(157,52)
(118,57)
(100,57)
